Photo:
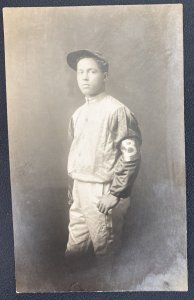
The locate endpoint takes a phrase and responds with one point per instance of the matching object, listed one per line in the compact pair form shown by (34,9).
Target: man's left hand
(107,202)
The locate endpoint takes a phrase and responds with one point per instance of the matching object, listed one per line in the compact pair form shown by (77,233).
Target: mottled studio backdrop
(144,45)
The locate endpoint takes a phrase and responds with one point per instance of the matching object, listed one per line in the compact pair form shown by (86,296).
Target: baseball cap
(73,58)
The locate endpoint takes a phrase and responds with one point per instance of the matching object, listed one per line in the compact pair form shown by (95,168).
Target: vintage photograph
(95,108)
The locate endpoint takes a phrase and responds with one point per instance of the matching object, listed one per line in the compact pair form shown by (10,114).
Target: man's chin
(87,94)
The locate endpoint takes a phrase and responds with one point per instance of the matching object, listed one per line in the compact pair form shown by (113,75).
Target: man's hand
(107,202)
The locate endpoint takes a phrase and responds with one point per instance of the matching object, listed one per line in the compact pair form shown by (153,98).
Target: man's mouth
(85,85)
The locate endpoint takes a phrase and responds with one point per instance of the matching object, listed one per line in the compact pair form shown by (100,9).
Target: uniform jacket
(105,144)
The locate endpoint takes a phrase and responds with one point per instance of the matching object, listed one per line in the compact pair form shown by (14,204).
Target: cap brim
(72,57)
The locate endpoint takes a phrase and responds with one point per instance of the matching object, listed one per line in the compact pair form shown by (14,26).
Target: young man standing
(103,161)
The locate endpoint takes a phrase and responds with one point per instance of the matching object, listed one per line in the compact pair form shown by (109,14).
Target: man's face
(90,78)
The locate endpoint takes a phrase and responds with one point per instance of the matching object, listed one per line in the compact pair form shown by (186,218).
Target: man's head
(92,71)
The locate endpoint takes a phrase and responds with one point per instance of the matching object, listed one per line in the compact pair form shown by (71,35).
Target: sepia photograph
(95,108)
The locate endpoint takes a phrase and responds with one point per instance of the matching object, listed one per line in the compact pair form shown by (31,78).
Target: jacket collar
(95,98)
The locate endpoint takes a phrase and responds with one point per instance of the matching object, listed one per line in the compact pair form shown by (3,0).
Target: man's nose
(85,76)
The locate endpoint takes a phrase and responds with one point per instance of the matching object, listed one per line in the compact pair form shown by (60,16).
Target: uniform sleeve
(127,138)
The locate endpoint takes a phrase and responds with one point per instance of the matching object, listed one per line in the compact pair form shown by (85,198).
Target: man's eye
(93,71)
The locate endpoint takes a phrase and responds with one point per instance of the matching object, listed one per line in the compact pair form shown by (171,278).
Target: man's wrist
(112,196)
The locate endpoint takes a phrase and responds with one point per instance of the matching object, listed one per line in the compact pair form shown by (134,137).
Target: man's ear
(105,76)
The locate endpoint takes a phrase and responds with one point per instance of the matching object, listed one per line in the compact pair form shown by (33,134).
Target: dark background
(138,207)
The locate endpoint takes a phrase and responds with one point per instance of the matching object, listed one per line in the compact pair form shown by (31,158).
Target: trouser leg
(118,219)
(105,230)
(106,263)
(99,230)
(88,224)
(79,237)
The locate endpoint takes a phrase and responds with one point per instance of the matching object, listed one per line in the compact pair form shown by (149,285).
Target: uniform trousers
(88,225)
